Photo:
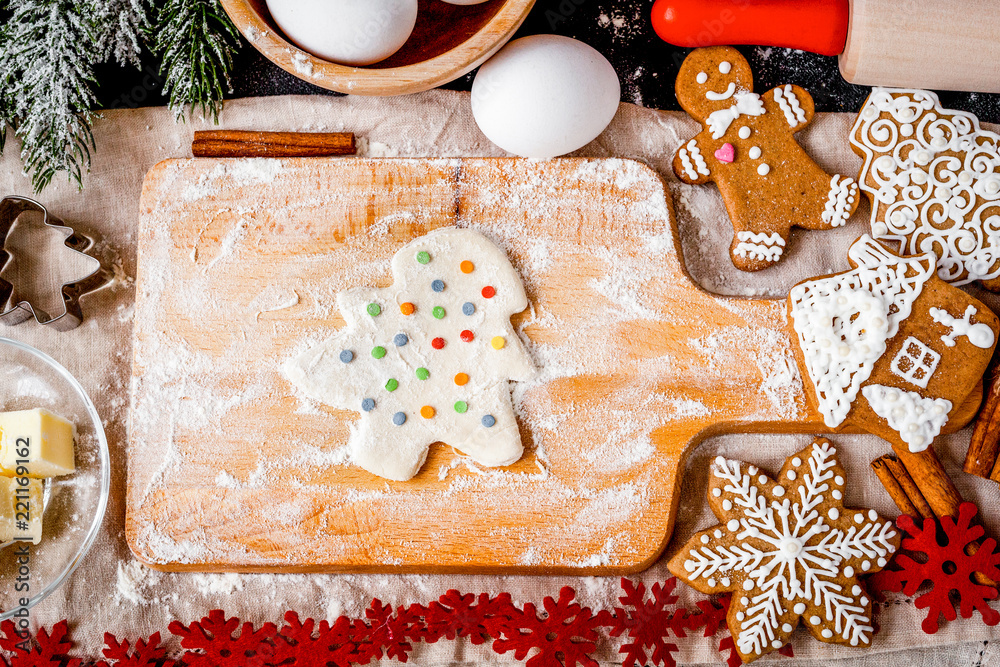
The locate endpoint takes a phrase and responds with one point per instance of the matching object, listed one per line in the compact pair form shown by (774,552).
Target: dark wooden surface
(620,29)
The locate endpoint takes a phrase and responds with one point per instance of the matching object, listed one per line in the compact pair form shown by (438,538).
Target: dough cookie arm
(792,103)
(691,164)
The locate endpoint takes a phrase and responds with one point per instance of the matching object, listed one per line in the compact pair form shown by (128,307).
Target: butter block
(30,497)
(47,437)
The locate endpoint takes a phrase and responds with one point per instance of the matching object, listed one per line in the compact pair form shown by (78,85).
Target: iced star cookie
(788,551)
(748,149)
(910,345)
(933,177)
(428,359)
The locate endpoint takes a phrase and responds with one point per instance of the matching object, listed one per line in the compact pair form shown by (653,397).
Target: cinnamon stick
(901,488)
(234,143)
(930,477)
(985,446)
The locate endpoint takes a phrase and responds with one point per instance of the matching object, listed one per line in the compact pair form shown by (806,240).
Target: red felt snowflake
(566,635)
(211,642)
(43,650)
(330,645)
(948,567)
(456,615)
(648,623)
(142,654)
(389,632)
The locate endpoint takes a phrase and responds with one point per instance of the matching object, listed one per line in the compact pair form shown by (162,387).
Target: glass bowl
(74,504)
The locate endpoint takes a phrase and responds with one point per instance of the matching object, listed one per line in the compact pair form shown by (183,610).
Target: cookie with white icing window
(889,347)
(789,551)
(933,177)
(748,149)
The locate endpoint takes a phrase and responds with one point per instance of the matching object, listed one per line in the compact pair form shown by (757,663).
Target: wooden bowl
(447,42)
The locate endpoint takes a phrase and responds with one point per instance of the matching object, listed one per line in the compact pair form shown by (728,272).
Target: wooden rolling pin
(936,44)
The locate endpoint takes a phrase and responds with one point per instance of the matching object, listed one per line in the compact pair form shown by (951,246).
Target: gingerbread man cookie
(429,358)
(912,346)
(748,149)
(789,552)
(933,176)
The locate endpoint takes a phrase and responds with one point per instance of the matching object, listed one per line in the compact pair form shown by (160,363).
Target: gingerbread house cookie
(748,149)
(933,176)
(888,346)
(789,551)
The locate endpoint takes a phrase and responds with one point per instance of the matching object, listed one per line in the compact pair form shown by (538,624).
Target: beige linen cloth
(112,592)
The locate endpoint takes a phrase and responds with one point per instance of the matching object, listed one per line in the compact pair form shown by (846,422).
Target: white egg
(348,32)
(545,95)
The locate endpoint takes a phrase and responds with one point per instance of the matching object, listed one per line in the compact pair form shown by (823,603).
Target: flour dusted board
(240,262)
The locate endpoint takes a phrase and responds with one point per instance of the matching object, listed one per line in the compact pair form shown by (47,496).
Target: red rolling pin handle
(819,26)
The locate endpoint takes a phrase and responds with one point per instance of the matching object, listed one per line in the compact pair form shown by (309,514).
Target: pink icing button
(727,153)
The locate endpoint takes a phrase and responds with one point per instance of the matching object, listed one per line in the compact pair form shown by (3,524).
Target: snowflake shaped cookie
(427,359)
(788,549)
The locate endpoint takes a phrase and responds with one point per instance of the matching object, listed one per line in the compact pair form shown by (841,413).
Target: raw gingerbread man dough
(749,151)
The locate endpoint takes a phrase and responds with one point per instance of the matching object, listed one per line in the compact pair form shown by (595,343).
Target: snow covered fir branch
(49,50)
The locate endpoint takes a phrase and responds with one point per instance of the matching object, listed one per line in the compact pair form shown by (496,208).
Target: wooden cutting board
(240,262)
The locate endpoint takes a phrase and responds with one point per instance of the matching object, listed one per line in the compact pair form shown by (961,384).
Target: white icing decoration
(718,97)
(791,475)
(843,322)
(398,452)
(699,161)
(766,247)
(935,189)
(838,203)
(745,132)
(980,334)
(918,420)
(764,169)
(754,152)
(716,492)
(789,553)
(915,362)
(789,103)
(702,77)
(747,104)
(725,67)
(689,169)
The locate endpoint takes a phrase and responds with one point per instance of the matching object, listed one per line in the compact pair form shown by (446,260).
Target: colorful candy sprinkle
(437,285)
(427,412)
(489,421)
(378,351)
(467,266)
(423,373)
(400,340)
(399,418)
(392,384)
(438,312)
(469,308)
(461,407)
(374,309)
(424,257)
(489,292)
(498,342)
(407,308)
(461,379)
(368,404)
(467,336)
(346,356)
(437,343)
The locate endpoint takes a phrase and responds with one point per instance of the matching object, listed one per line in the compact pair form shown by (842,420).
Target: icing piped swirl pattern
(934,176)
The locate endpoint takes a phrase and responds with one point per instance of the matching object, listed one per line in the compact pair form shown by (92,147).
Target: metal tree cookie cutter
(16,312)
